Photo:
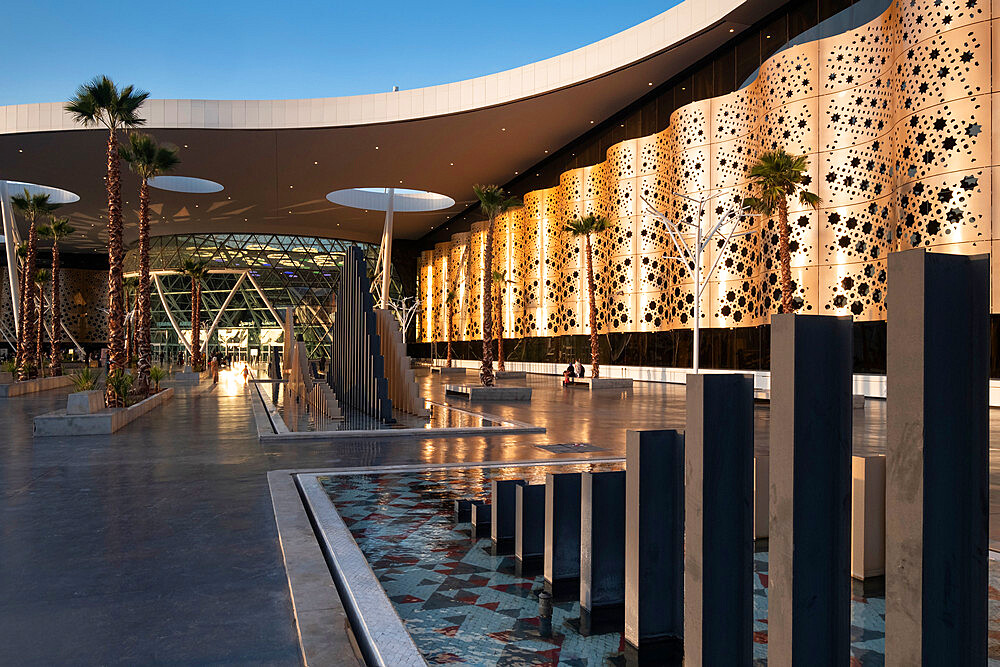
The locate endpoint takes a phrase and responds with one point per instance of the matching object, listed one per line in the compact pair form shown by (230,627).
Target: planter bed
(34,386)
(475,392)
(104,422)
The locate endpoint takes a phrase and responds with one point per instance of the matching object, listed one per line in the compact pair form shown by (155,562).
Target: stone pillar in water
(809,578)
(937,459)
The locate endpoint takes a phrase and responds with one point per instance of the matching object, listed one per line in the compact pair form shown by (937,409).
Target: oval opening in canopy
(404,200)
(188,184)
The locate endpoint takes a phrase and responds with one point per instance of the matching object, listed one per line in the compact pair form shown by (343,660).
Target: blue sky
(286,49)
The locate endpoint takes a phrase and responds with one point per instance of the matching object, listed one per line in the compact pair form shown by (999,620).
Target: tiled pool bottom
(462,605)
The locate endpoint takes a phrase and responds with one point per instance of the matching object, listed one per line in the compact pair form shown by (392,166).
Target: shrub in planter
(156,374)
(120,383)
(84,380)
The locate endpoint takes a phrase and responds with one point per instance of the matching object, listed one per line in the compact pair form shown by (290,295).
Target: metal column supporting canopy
(357,370)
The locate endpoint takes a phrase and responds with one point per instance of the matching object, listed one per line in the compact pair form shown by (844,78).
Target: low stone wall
(105,422)
(34,386)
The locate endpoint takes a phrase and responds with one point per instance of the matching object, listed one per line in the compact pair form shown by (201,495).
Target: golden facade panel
(896,118)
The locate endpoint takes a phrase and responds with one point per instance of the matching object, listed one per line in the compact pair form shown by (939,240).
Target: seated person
(578,368)
(569,374)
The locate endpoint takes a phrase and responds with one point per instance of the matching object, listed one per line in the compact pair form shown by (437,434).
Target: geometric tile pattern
(896,119)
(462,605)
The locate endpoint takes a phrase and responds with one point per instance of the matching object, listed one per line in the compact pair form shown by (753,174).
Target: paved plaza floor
(158,544)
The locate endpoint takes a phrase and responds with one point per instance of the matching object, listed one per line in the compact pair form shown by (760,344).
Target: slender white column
(277,318)
(387,251)
(225,304)
(170,315)
(10,244)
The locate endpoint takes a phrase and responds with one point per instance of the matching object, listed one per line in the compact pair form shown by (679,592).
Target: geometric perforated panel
(896,119)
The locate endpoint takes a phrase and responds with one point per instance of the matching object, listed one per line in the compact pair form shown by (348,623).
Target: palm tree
(493,201)
(22,288)
(776,177)
(101,102)
(33,208)
(146,159)
(449,302)
(196,271)
(59,229)
(41,277)
(500,278)
(585,226)
(130,284)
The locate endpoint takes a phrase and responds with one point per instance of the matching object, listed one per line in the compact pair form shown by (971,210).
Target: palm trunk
(486,373)
(39,328)
(785,258)
(22,298)
(195,328)
(128,329)
(116,288)
(447,332)
(28,357)
(594,348)
(142,297)
(499,304)
(55,365)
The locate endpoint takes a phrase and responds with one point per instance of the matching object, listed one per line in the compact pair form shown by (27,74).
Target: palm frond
(100,101)
(494,200)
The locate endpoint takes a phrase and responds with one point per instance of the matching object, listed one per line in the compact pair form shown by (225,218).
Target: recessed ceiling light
(732,30)
(546,151)
(452,164)
(515,173)
(503,129)
(290,187)
(185,145)
(591,122)
(20,150)
(401,181)
(768,37)
(651,83)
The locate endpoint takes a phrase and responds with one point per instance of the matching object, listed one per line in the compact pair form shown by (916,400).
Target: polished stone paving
(158,544)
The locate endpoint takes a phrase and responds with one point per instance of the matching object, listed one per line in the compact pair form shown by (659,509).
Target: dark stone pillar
(718,506)
(602,540)
(462,511)
(529,529)
(502,494)
(937,459)
(809,581)
(654,537)
(481,515)
(562,529)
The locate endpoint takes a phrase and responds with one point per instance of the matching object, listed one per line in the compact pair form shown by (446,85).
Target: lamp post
(692,256)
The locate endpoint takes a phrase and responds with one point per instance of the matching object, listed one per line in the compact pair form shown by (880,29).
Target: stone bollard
(562,532)
(602,551)
(481,519)
(868,517)
(462,511)
(529,529)
(502,500)
(718,522)
(654,537)
(937,458)
(809,582)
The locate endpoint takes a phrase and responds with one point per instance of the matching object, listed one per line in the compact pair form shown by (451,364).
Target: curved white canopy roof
(279,159)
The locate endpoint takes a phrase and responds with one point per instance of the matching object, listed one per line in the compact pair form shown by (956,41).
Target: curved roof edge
(634,44)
